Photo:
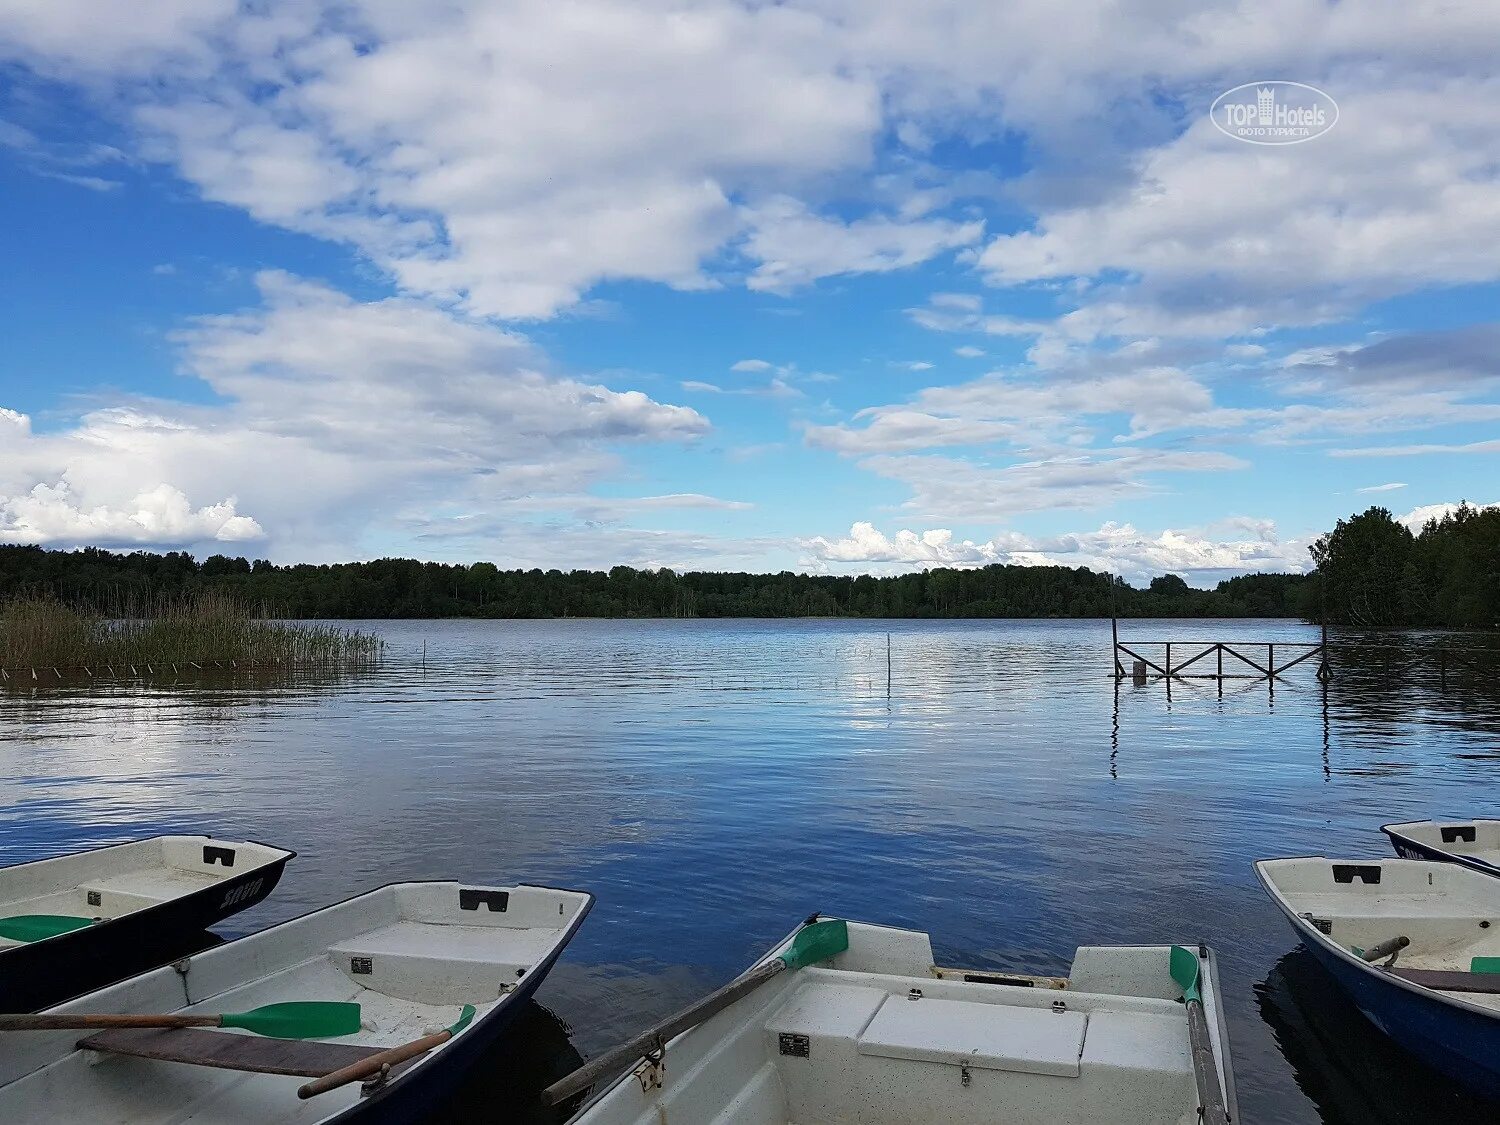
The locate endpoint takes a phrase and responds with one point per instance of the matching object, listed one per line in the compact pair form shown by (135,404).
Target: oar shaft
(647,1041)
(1205,1068)
(358,1072)
(83,1022)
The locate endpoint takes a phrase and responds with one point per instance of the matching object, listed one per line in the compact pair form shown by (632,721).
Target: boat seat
(993,1036)
(439,963)
(1446,981)
(228,1051)
(137,890)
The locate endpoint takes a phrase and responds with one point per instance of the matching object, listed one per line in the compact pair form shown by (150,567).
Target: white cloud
(916,365)
(751,365)
(969,351)
(1118,548)
(795,247)
(161,515)
(1383,487)
(947,488)
(337,418)
(1417,518)
(1492,446)
(864,544)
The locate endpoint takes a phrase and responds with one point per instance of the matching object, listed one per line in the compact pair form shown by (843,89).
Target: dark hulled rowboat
(1438,998)
(1474,844)
(85,920)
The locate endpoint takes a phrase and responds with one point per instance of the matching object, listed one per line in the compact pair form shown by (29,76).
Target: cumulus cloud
(1117,548)
(1417,518)
(162,515)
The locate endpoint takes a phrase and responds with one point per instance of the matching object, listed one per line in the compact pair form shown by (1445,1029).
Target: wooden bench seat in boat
(228,1051)
(1447,981)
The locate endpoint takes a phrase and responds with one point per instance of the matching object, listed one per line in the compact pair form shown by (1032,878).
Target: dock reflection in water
(714,781)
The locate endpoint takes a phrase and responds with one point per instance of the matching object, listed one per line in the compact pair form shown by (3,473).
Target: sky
(822,285)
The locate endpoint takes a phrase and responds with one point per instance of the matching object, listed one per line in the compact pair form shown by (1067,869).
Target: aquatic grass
(211,627)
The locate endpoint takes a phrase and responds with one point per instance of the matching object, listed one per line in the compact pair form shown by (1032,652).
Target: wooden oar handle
(372,1064)
(86,1022)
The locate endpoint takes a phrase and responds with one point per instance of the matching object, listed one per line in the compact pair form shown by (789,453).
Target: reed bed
(209,628)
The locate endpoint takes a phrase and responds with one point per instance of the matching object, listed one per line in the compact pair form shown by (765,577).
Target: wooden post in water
(1114,631)
(1138,673)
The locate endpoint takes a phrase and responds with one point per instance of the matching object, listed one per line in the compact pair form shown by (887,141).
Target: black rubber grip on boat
(470,898)
(212,855)
(1457,832)
(1366,872)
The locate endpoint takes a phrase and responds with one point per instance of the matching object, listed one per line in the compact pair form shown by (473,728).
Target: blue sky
(821,286)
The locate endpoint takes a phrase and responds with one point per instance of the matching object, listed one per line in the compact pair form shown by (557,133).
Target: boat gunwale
(1307,929)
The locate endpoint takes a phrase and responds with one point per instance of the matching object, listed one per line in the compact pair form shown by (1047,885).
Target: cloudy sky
(824,284)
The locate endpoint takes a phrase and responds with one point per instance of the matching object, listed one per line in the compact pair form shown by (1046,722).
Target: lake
(713,782)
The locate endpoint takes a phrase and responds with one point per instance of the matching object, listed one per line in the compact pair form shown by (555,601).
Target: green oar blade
(1185,972)
(464,1017)
(298,1019)
(36,927)
(817,942)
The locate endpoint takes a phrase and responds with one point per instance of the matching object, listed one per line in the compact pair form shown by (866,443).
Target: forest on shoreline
(1371,568)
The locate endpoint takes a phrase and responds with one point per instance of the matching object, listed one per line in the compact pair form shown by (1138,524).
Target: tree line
(1370,570)
(114,583)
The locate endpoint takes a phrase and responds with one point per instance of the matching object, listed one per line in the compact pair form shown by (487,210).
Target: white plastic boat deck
(837,1046)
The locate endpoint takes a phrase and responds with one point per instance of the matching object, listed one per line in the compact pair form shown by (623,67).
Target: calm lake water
(713,782)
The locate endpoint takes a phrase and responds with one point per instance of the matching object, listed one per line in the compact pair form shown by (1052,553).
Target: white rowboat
(411,955)
(878,1035)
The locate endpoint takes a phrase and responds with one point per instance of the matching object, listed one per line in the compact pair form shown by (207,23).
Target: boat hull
(48,972)
(1462,1044)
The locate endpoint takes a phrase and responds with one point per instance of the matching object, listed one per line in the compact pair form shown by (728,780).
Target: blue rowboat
(1439,995)
(1471,843)
(413,956)
(77,922)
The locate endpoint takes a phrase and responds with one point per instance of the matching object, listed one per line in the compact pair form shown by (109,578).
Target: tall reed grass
(208,627)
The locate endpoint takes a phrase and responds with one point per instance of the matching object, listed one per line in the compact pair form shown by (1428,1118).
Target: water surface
(712,782)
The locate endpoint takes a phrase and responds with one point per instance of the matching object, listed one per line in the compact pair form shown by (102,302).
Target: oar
(376,1064)
(294,1019)
(36,927)
(813,943)
(1184,964)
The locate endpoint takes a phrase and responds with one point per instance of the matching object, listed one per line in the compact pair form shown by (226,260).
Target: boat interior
(411,955)
(1477,838)
(880,1036)
(109,882)
(1447,913)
